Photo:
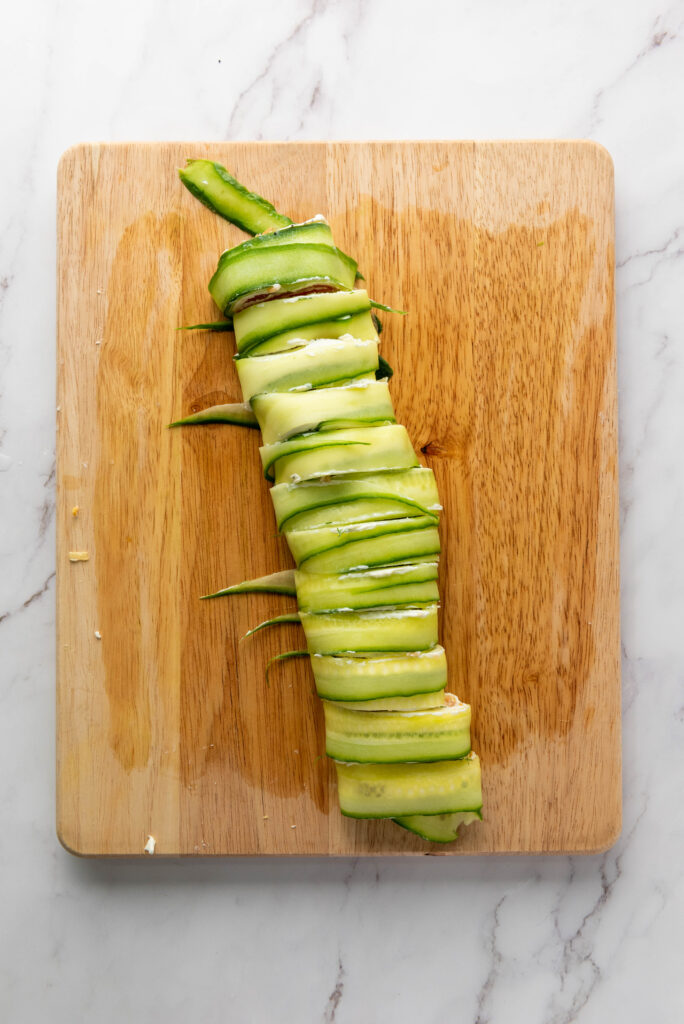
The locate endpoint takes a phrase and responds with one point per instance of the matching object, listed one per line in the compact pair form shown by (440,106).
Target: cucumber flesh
(263,320)
(323,361)
(217,189)
(358,327)
(275,583)
(414,545)
(398,790)
(405,629)
(283,415)
(237,413)
(438,828)
(363,510)
(380,676)
(304,544)
(417,702)
(358,450)
(315,231)
(387,737)
(265,270)
(414,488)
(402,585)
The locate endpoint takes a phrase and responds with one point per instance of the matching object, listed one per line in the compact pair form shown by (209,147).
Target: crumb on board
(75,510)
(79,556)
(98,634)
(150,845)
(293,826)
(265,817)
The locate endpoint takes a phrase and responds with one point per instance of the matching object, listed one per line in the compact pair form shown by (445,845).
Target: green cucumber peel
(214,325)
(245,209)
(384,370)
(465,818)
(277,620)
(284,657)
(388,309)
(276,583)
(238,414)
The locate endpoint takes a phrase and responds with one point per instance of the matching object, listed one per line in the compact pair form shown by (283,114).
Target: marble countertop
(489,941)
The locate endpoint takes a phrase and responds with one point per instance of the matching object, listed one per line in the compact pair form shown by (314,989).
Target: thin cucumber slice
(380,675)
(323,361)
(406,629)
(265,270)
(439,828)
(277,620)
(415,545)
(400,585)
(415,489)
(276,583)
(216,188)
(263,320)
(215,325)
(309,232)
(237,413)
(397,790)
(285,656)
(363,510)
(389,737)
(360,450)
(304,544)
(417,702)
(283,415)
(359,327)
(388,309)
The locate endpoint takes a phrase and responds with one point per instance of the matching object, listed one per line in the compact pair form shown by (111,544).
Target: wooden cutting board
(505,377)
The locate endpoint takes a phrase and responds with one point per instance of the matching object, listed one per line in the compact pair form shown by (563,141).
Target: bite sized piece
(335,452)
(354,677)
(286,414)
(363,510)
(397,585)
(217,189)
(397,790)
(316,231)
(320,362)
(388,737)
(405,629)
(360,326)
(320,502)
(252,274)
(339,549)
(263,320)
(240,414)
(439,828)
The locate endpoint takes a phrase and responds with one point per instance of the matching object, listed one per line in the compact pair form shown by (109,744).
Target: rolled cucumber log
(359,513)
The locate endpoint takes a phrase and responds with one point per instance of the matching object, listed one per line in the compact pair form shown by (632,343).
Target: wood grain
(505,377)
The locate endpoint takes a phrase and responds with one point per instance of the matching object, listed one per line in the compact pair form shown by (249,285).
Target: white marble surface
(540,941)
